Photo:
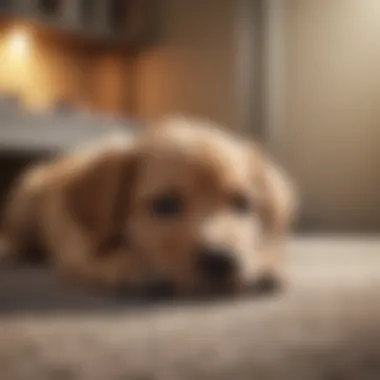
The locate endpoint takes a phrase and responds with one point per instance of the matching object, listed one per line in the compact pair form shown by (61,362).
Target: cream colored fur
(71,204)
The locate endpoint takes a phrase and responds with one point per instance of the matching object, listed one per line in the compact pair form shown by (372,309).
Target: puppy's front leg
(115,269)
(111,269)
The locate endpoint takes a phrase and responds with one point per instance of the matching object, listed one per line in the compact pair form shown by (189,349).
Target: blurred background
(301,75)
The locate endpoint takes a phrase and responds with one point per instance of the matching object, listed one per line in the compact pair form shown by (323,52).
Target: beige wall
(333,108)
(192,69)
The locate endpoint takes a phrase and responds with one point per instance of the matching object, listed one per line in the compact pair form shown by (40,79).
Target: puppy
(183,201)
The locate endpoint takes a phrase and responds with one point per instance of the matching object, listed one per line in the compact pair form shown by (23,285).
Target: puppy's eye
(241,203)
(167,205)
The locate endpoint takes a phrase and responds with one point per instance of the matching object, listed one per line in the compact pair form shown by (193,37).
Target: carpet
(324,326)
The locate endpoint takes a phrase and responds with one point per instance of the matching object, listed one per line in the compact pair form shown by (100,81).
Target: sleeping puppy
(183,202)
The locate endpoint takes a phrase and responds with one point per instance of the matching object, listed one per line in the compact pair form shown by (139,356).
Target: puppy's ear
(97,192)
(278,199)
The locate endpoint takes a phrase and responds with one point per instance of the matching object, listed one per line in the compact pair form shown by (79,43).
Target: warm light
(19,41)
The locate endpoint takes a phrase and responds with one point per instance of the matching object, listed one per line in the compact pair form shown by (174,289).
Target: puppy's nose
(216,263)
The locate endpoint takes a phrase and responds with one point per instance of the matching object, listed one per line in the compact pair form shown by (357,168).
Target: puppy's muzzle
(216,264)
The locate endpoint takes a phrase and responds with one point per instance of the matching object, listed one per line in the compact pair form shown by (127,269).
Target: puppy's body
(186,202)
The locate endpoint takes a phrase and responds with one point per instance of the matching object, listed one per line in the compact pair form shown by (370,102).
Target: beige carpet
(325,326)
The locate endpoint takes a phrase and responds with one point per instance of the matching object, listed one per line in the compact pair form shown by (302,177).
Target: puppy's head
(202,205)
(196,203)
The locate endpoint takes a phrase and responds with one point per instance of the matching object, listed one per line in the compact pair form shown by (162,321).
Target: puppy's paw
(269,283)
(160,289)
(117,273)
(266,284)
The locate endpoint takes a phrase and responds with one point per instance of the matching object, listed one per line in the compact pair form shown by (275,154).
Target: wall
(333,109)
(193,67)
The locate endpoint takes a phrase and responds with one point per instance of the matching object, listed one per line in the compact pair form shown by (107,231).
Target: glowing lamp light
(19,41)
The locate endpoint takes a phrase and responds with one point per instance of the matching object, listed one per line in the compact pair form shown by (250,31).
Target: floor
(324,325)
